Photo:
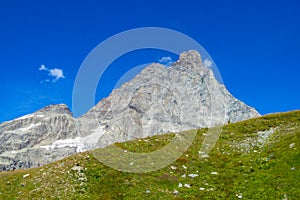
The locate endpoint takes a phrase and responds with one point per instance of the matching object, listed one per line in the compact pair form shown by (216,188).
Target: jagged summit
(190,62)
(191,56)
(56,108)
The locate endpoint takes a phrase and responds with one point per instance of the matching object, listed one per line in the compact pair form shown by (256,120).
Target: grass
(250,164)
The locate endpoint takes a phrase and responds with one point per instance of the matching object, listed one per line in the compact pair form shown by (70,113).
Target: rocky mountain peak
(191,56)
(162,99)
(190,62)
(56,109)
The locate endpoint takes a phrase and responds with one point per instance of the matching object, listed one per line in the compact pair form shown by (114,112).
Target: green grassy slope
(254,159)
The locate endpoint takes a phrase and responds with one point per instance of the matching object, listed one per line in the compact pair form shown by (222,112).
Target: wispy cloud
(207,63)
(167,60)
(54,73)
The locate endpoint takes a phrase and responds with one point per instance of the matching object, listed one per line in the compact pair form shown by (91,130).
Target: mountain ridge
(160,99)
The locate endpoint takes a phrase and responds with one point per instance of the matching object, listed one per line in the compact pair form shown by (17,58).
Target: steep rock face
(22,138)
(162,99)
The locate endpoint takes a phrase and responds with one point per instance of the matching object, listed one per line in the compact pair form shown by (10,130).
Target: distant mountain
(160,99)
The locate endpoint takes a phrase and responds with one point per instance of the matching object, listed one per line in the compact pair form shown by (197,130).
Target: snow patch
(80,143)
(72,143)
(28,127)
(24,130)
(24,117)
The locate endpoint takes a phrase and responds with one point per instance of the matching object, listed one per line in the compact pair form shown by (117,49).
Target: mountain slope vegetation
(253,159)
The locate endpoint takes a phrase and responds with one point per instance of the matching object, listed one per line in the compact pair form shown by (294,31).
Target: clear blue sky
(255,44)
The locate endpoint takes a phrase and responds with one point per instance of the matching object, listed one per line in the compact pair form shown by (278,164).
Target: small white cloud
(43,68)
(167,60)
(55,73)
(207,63)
